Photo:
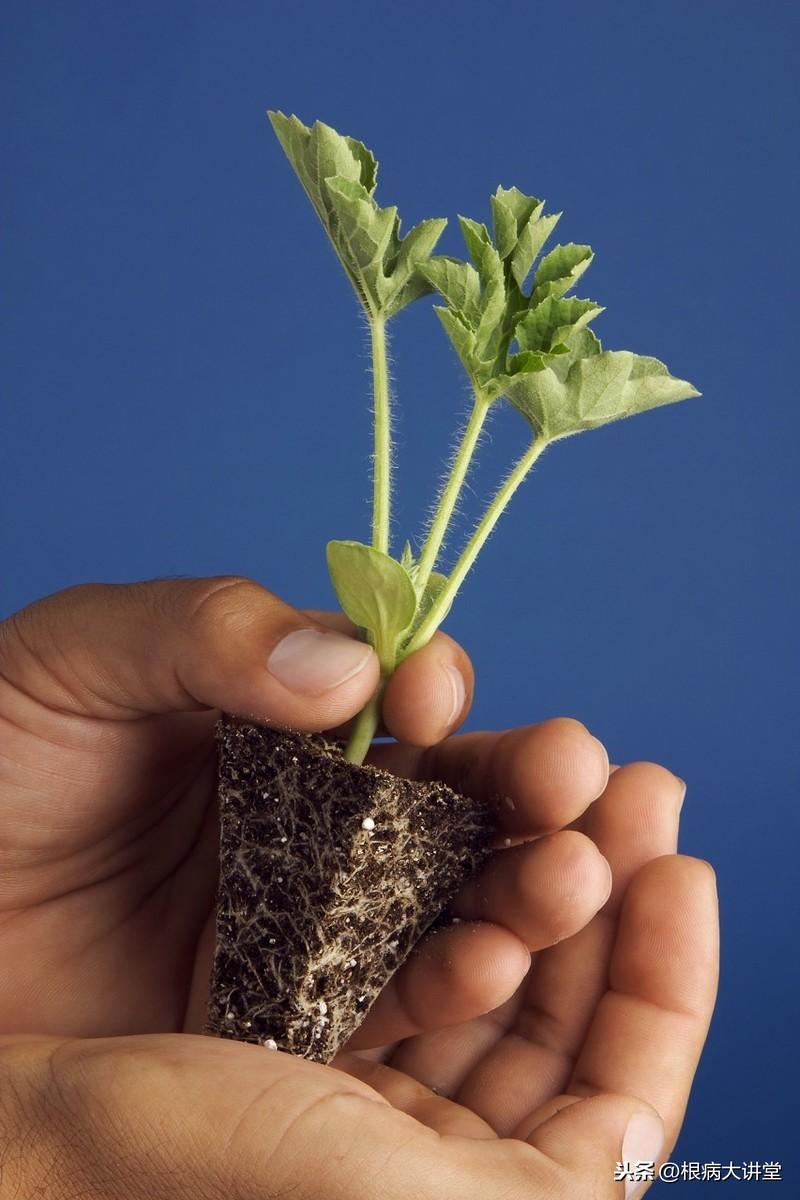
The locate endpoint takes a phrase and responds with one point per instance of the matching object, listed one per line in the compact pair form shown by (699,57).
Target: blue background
(185,379)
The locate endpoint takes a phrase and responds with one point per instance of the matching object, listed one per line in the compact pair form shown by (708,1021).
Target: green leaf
(590,387)
(476,235)
(559,271)
(433,587)
(531,240)
(361,230)
(407,560)
(458,283)
(406,277)
(375,591)
(553,321)
(512,210)
(339,175)
(460,334)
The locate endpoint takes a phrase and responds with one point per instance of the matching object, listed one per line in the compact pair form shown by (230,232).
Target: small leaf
(553,321)
(512,210)
(406,279)
(433,587)
(531,240)
(375,591)
(458,283)
(460,334)
(476,235)
(559,271)
(407,560)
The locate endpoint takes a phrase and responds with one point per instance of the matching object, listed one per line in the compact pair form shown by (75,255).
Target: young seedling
(330,870)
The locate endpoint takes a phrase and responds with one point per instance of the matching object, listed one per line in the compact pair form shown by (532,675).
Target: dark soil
(317,908)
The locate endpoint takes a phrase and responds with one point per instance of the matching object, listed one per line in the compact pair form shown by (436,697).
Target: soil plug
(330,873)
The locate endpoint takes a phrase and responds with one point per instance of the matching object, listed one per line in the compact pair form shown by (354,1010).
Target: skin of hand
(475,1074)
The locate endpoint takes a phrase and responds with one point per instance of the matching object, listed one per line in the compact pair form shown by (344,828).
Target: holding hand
(474,1074)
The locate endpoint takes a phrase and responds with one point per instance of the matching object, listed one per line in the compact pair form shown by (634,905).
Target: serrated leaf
(559,271)
(476,236)
(406,281)
(375,591)
(553,321)
(458,283)
(460,334)
(359,224)
(339,175)
(531,240)
(591,387)
(512,210)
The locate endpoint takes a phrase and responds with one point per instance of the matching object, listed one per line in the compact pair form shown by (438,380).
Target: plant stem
(368,719)
(364,727)
(449,497)
(382,459)
(439,608)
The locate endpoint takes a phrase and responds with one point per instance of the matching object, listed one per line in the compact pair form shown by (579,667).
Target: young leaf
(559,271)
(406,278)
(375,591)
(461,336)
(436,582)
(511,212)
(362,230)
(553,321)
(531,241)
(590,387)
(339,175)
(458,283)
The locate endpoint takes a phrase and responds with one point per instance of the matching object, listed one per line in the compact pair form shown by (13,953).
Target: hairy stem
(441,605)
(449,497)
(365,726)
(382,458)
(368,719)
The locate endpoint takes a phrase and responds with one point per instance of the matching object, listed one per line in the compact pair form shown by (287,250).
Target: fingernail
(459,693)
(642,1144)
(610,879)
(605,765)
(682,782)
(311,662)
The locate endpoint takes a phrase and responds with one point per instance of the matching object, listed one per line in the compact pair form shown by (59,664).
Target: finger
(542,891)
(634,821)
(120,651)
(428,696)
(454,974)
(430,693)
(650,1026)
(588,1138)
(535,779)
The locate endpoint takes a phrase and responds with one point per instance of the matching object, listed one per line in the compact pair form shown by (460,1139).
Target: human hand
(104,693)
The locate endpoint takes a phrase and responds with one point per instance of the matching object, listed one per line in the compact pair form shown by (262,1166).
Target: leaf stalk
(499,503)
(382,454)
(452,490)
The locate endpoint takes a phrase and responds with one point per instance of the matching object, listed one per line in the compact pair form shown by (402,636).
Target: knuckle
(226,604)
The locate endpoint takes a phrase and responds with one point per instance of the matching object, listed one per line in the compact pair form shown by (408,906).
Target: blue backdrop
(185,379)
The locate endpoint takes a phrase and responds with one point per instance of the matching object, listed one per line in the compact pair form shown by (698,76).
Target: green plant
(519,336)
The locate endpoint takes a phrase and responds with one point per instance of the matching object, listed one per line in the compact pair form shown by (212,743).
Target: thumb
(607,1145)
(122,651)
